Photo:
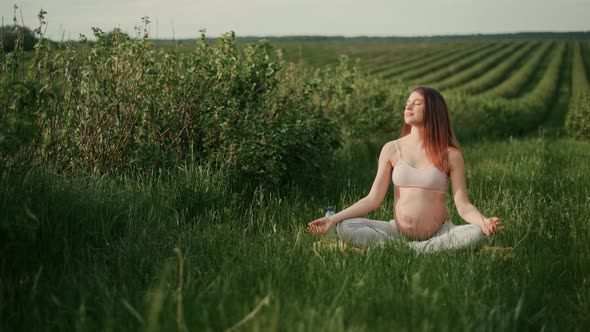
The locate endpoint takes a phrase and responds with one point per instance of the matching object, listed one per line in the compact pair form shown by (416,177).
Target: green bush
(18,127)
(477,117)
(366,109)
(120,105)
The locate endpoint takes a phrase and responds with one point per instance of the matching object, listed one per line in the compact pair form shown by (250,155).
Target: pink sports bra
(430,178)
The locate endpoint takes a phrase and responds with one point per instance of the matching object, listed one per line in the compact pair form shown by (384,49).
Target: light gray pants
(362,232)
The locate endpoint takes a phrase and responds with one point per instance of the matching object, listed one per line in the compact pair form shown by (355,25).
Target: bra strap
(397,148)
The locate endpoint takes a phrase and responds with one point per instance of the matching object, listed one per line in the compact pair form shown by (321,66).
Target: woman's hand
(321,225)
(490,225)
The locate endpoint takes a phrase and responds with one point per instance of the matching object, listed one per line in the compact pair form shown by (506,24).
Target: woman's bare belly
(419,213)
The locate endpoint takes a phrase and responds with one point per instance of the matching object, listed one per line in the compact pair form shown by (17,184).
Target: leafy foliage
(119,104)
(17,122)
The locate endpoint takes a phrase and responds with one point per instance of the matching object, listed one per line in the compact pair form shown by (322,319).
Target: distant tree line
(575,35)
(8,34)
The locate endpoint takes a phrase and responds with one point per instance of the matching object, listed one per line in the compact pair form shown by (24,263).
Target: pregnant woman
(420,164)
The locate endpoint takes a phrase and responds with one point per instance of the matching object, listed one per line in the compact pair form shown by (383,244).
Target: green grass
(83,253)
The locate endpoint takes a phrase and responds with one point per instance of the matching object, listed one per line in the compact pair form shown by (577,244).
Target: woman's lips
(408,113)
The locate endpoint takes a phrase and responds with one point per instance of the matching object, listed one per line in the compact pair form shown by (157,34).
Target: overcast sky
(184,18)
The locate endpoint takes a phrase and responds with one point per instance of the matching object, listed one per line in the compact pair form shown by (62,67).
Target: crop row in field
(585,49)
(513,85)
(483,115)
(496,75)
(400,60)
(577,122)
(435,66)
(478,69)
(394,73)
(580,81)
(449,70)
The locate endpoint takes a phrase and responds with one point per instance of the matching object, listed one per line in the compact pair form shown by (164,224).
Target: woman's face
(414,112)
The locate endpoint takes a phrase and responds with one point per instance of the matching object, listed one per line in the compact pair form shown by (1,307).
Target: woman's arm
(466,210)
(367,203)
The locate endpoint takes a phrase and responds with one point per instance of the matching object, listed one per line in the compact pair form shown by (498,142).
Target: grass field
(98,254)
(191,248)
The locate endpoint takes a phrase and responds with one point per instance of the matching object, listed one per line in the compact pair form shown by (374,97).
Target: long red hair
(437,132)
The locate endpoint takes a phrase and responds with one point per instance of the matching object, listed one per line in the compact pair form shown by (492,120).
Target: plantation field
(155,188)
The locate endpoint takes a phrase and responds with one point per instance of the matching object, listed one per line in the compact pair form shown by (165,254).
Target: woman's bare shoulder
(455,156)
(454,152)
